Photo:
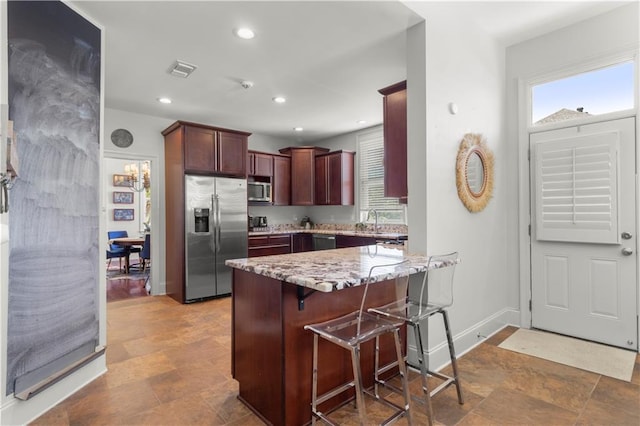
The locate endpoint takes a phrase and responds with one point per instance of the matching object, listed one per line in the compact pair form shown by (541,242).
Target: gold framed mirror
(474,172)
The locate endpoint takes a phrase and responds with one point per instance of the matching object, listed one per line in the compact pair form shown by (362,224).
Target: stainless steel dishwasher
(324,242)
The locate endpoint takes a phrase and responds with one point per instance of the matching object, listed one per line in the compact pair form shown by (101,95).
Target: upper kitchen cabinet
(303,165)
(210,150)
(259,164)
(334,178)
(281,181)
(395,140)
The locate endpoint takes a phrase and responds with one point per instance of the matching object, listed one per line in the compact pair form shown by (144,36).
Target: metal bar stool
(349,332)
(434,296)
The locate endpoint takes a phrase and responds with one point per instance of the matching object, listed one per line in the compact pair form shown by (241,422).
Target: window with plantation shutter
(371,180)
(576,182)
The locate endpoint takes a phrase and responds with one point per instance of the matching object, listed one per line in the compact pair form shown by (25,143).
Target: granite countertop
(381,235)
(330,270)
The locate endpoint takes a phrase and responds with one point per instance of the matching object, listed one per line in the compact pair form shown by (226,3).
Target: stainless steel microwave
(259,191)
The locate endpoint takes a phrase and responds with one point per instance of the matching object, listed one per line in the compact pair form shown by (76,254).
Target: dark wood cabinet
(259,164)
(303,173)
(232,151)
(343,241)
(395,140)
(267,245)
(301,242)
(281,181)
(198,149)
(334,178)
(210,150)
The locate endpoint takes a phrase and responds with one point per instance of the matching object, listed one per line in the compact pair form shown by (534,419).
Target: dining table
(127,242)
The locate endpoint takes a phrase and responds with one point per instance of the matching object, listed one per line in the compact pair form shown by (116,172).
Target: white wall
(148,144)
(467,68)
(607,37)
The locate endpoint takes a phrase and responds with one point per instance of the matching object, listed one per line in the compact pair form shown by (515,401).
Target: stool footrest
(333,392)
(447,381)
(400,411)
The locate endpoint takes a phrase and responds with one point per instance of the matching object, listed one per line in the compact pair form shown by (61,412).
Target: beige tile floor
(169,364)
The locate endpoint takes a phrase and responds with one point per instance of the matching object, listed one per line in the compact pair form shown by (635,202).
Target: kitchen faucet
(375,212)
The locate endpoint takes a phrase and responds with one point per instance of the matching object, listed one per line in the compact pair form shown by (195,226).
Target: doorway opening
(128,223)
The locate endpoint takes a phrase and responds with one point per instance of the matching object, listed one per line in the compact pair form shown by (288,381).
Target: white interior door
(583,239)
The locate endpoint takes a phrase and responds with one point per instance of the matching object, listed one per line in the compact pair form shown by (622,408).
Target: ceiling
(327,58)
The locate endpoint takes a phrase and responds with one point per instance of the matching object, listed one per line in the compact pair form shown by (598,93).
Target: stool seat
(343,331)
(349,332)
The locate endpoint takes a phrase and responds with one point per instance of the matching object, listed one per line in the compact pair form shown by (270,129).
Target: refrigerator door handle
(218,222)
(212,220)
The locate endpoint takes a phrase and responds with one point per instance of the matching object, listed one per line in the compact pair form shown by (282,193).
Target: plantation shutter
(576,189)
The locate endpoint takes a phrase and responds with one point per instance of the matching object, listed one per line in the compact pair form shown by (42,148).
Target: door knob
(627,251)
(626,236)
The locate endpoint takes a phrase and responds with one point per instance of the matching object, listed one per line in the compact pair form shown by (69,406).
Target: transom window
(591,93)
(371,181)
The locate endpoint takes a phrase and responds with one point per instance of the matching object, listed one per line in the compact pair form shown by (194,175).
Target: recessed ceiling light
(164,100)
(298,129)
(361,122)
(245,33)
(279,99)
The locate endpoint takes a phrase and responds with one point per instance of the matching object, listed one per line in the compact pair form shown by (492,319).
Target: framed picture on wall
(121,180)
(122,197)
(123,214)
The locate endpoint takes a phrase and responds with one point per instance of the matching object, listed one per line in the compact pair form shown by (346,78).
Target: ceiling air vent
(182,69)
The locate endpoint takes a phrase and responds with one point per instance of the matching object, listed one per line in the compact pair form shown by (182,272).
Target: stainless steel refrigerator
(216,230)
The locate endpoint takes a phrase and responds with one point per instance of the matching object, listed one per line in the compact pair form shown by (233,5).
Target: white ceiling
(328,58)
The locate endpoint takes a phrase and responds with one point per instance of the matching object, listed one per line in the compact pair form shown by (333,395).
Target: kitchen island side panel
(257,341)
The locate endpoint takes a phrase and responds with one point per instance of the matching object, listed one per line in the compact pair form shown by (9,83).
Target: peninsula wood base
(272,353)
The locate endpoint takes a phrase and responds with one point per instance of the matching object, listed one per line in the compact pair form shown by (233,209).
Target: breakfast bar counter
(274,297)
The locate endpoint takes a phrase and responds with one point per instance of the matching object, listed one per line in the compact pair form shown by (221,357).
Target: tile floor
(169,364)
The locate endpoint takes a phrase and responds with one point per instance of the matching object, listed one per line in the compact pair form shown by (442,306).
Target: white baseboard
(17,412)
(468,339)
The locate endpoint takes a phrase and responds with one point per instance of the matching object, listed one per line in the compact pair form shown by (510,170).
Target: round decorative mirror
(474,172)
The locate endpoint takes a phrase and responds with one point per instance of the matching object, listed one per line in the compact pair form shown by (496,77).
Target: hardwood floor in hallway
(169,364)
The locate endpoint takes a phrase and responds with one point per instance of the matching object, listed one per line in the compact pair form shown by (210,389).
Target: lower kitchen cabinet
(267,245)
(302,242)
(343,241)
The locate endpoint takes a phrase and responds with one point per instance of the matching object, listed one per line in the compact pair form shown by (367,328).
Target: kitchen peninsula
(274,297)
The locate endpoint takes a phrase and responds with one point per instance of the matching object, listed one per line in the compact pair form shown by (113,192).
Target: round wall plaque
(121,138)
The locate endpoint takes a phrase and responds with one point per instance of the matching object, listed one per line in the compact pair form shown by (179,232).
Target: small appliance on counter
(306,223)
(258,223)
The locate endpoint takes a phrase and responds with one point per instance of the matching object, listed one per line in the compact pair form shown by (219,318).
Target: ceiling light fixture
(279,99)
(361,122)
(164,100)
(245,33)
(298,129)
